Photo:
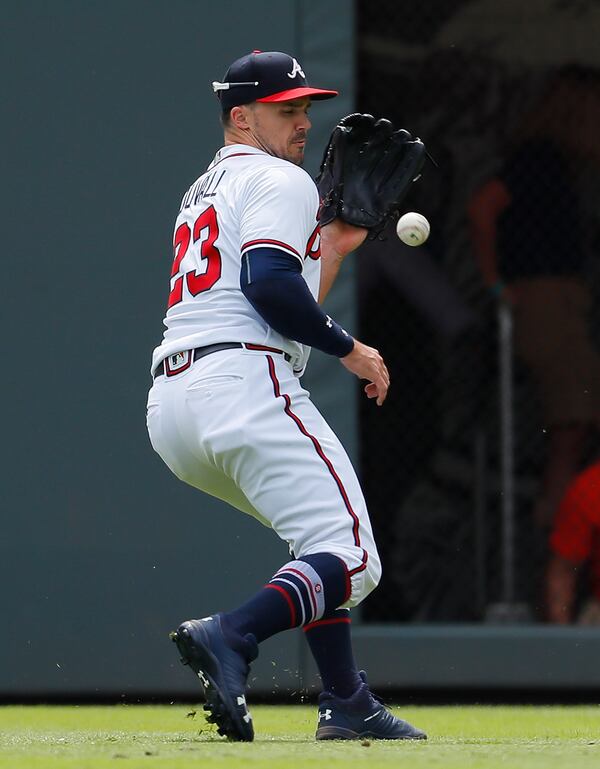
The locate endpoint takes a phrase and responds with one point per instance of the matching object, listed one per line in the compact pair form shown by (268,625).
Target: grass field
(85,737)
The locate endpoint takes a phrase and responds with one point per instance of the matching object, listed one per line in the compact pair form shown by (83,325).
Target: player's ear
(239,117)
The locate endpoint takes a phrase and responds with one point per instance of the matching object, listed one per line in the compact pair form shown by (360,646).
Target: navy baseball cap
(265,76)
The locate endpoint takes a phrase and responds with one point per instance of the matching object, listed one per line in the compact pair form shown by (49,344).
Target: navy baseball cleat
(361,716)
(222,665)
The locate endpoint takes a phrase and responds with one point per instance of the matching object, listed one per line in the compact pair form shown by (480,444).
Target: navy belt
(202,352)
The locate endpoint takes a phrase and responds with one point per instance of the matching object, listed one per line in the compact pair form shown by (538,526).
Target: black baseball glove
(366,171)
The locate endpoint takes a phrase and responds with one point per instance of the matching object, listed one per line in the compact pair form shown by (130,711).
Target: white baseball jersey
(246,199)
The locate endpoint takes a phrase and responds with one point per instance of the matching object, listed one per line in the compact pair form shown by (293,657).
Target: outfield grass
(52,737)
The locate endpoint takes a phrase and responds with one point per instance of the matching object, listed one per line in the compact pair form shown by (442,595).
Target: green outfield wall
(107,117)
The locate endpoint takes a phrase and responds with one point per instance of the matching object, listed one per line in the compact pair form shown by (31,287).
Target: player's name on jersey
(204,187)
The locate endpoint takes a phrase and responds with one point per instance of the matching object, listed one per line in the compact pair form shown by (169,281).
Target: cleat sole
(339,733)
(336,733)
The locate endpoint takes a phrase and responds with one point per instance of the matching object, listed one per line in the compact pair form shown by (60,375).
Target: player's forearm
(330,267)
(273,284)
(338,239)
(561,579)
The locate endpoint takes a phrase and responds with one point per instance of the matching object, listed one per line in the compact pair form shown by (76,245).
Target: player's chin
(296,154)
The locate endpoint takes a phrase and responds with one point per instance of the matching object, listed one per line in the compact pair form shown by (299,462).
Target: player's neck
(250,138)
(240,137)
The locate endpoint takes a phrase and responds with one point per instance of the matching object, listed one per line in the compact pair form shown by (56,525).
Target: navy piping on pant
(288,410)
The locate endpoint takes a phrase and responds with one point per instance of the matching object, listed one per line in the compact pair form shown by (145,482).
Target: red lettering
(205,232)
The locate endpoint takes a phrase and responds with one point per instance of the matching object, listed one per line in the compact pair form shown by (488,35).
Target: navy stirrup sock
(331,646)
(301,592)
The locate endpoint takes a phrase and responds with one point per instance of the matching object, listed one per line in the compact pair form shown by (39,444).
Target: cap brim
(298,93)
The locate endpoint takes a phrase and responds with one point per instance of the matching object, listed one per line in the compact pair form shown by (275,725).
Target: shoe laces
(373,696)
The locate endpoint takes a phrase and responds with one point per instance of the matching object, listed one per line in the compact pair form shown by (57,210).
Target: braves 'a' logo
(295,69)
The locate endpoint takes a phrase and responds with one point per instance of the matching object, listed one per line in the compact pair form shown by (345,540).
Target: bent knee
(364,579)
(363,569)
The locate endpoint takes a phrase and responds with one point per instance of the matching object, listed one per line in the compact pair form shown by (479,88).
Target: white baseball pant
(238,425)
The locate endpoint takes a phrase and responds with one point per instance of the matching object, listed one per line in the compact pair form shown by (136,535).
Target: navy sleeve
(272,282)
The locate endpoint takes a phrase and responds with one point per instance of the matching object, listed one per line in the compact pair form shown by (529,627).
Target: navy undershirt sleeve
(272,282)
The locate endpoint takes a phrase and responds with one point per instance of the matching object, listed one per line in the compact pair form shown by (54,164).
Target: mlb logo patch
(178,362)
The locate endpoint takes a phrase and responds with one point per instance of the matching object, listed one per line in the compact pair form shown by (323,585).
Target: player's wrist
(346,345)
(351,350)
(342,238)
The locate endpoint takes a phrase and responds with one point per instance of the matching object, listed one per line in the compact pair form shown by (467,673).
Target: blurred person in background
(575,548)
(530,235)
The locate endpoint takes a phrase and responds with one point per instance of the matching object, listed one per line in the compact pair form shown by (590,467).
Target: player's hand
(366,363)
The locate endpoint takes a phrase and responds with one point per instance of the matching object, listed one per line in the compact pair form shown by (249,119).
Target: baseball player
(228,414)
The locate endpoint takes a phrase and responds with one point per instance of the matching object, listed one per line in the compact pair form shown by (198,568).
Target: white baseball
(413,229)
